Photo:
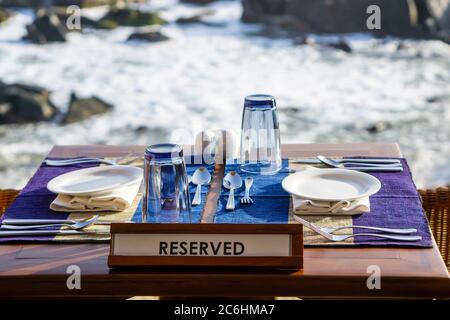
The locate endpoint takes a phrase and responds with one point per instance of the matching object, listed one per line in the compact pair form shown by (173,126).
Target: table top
(39,270)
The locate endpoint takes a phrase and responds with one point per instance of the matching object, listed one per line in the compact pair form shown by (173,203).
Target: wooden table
(39,270)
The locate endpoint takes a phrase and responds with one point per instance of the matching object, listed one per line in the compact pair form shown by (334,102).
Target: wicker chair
(436,203)
(7,196)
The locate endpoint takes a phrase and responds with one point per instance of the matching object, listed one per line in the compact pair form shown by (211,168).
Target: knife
(24,233)
(364,169)
(25,222)
(375,169)
(360,160)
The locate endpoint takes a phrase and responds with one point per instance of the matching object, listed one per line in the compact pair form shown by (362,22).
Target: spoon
(334,164)
(200,176)
(232,181)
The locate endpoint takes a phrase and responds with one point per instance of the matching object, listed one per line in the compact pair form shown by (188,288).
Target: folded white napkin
(115,200)
(343,207)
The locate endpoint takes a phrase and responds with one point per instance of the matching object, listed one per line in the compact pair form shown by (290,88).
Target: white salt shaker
(227,144)
(206,145)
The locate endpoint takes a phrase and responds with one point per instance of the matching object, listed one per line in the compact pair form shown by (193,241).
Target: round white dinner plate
(94,180)
(331,184)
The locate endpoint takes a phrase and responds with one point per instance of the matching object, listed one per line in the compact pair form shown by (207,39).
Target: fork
(25,233)
(387,230)
(339,238)
(363,169)
(72,226)
(68,162)
(248,184)
(27,222)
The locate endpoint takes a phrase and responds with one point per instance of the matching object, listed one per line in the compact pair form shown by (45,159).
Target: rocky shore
(22,104)
(403,18)
(62,3)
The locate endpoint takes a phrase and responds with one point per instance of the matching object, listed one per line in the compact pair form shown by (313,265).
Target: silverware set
(23,233)
(231,181)
(34,227)
(68,162)
(358,164)
(76,225)
(387,233)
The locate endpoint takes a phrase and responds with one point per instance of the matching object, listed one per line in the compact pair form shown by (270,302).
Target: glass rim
(163,151)
(259,100)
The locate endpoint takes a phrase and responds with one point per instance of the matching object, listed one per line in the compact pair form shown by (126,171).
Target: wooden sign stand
(267,246)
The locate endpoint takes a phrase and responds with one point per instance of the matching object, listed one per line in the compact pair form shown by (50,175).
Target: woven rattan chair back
(436,203)
(7,196)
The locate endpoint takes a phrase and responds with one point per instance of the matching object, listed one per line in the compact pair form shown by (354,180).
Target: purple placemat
(34,200)
(396,205)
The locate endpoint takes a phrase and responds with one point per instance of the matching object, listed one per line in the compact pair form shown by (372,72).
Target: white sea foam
(170,90)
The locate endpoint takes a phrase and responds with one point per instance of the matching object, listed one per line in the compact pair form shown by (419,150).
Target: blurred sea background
(171,81)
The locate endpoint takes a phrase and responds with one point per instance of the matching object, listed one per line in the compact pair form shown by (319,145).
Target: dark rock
(402,46)
(303,40)
(291,23)
(59,3)
(129,17)
(46,28)
(261,10)
(440,12)
(290,111)
(63,16)
(335,16)
(106,24)
(197,18)
(4,15)
(25,104)
(82,109)
(141,129)
(149,36)
(379,127)
(198,2)
(188,20)
(438,99)
(340,45)
(342,16)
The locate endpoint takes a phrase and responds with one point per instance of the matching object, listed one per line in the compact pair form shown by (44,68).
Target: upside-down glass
(260,135)
(166,187)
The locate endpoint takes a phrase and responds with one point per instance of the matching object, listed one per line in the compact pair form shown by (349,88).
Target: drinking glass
(260,135)
(166,190)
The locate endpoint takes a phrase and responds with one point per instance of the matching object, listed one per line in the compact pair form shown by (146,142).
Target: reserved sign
(256,245)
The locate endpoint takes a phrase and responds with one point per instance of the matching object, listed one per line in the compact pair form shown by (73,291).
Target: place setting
(83,196)
(75,199)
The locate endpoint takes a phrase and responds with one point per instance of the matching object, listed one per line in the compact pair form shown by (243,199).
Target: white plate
(331,184)
(94,180)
